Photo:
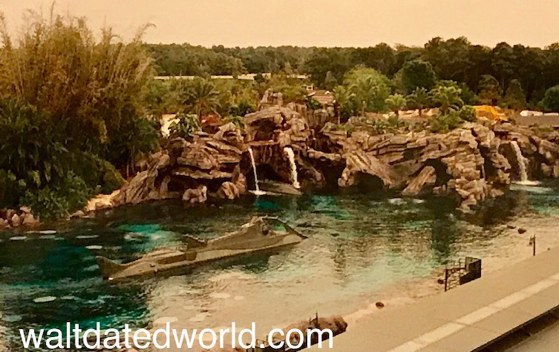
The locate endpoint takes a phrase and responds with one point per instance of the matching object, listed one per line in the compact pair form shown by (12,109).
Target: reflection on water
(357,247)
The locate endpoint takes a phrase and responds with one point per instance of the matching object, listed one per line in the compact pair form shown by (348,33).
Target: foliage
(330,82)
(419,99)
(344,102)
(369,89)
(550,101)
(186,125)
(313,104)
(489,90)
(454,59)
(201,97)
(445,123)
(290,87)
(467,113)
(417,74)
(515,97)
(70,105)
(158,99)
(58,199)
(447,96)
(395,103)
(238,121)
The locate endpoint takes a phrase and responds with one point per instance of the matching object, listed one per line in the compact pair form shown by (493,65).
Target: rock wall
(193,170)
(471,163)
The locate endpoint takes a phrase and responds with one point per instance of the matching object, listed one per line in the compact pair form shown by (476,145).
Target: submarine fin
(108,267)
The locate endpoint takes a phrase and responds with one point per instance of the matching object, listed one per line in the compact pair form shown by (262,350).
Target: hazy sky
(314,22)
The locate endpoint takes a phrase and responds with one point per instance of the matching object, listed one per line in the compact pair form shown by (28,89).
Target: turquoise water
(357,245)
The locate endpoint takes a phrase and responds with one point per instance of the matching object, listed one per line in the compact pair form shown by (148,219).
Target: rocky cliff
(471,163)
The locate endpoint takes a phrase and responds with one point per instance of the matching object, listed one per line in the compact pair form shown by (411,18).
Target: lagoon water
(361,249)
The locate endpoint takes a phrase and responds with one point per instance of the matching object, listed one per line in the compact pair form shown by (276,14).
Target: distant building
(242,77)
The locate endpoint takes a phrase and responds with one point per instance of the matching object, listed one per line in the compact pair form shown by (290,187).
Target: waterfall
(522,162)
(291,156)
(257,191)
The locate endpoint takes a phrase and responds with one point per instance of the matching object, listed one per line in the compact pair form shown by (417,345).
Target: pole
(445,278)
(534,246)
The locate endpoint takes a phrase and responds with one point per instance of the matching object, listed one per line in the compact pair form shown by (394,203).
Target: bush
(238,121)
(550,101)
(467,113)
(186,126)
(57,200)
(445,123)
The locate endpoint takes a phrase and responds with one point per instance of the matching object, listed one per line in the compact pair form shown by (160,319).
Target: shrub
(467,113)
(60,199)
(186,125)
(445,123)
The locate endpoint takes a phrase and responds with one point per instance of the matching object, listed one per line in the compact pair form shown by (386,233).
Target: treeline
(457,59)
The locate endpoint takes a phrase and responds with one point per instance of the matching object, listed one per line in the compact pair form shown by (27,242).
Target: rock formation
(193,170)
(471,163)
(10,218)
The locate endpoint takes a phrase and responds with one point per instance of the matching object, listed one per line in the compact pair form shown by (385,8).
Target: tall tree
(489,90)
(417,74)
(515,98)
(369,88)
(202,98)
(550,101)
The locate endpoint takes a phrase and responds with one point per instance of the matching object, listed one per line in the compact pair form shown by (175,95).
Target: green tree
(515,98)
(202,98)
(550,100)
(330,82)
(344,102)
(489,90)
(419,99)
(417,74)
(369,89)
(448,98)
(71,102)
(395,103)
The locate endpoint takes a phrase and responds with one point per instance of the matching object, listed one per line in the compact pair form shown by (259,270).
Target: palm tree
(448,97)
(365,89)
(202,98)
(343,101)
(395,103)
(419,99)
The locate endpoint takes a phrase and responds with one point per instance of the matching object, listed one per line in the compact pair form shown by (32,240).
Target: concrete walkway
(466,318)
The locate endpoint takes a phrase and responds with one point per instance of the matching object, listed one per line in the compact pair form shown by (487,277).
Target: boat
(261,234)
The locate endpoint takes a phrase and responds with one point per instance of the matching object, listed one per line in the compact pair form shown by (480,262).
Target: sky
(312,22)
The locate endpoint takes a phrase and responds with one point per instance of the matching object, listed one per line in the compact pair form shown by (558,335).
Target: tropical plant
(70,105)
(344,102)
(369,89)
(447,97)
(445,123)
(419,99)
(185,126)
(395,103)
(202,98)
